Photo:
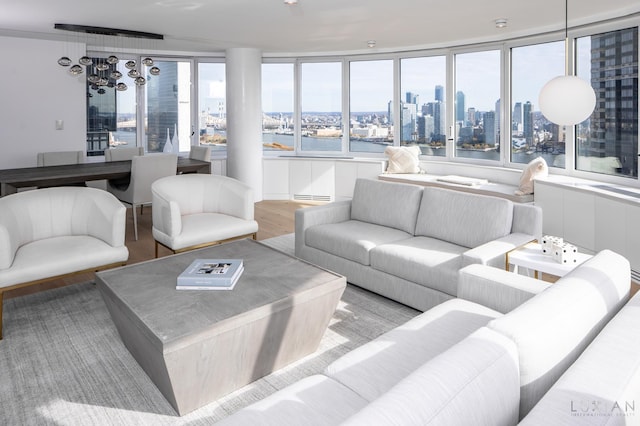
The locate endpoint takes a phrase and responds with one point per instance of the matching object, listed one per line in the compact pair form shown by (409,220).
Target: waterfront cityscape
(607,142)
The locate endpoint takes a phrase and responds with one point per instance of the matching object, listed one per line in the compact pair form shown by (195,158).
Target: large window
(168,107)
(422,106)
(321,98)
(371,105)
(212,106)
(532,135)
(277,107)
(607,142)
(477,104)
(111,113)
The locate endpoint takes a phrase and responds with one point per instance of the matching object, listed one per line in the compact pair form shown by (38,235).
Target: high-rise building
(527,122)
(516,119)
(489,124)
(409,129)
(439,93)
(614,77)
(471,116)
(460,106)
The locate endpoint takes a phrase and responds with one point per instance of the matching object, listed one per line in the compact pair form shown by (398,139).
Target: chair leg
(156,249)
(1,303)
(135,223)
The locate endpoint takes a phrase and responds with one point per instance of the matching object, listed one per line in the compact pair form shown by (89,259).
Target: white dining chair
(145,169)
(122,154)
(200,152)
(58,158)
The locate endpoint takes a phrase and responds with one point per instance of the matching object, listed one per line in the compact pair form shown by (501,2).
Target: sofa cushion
(374,368)
(385,203)
(607,373)
(426,261)
(465,219)
(54,256)
(351,239)
(314,400)
(475,382)
(554,327)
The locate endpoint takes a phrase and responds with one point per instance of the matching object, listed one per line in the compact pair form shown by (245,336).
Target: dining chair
(145,169)
(122,154)
(200,152)
(58,158)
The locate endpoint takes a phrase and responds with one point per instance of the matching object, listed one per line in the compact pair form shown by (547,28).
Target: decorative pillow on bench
(403,159)
(536,168)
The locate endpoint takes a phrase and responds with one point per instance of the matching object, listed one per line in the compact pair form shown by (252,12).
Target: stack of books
(211,274)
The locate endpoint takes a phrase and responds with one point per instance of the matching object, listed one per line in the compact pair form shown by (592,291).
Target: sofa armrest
(493,252)
(496,288)
(103,215)
(338,211)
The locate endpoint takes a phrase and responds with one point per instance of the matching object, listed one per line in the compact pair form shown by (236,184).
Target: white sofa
(197,210)
(464,363)
(408,242)
(52,232)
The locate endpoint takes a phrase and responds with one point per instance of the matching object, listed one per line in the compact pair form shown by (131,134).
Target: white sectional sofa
(464,363)
(408,242)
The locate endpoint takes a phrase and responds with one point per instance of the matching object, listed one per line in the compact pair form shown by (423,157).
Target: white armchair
(52,232)
(198,210)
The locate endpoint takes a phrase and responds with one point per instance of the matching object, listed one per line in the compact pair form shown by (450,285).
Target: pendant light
(567,99)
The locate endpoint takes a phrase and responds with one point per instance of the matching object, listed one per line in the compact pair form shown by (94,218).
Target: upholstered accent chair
(49,233)
(198,210)
(58,158)
(144,171)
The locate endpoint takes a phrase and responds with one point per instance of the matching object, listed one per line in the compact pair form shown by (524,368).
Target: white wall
(35,92)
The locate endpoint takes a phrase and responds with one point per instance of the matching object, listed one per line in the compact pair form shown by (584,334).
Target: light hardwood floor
(274,218)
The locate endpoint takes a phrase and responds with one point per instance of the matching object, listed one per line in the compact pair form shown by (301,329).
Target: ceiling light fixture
(103,72)
(501,23)
(567,99)
(290,2)
(371,43)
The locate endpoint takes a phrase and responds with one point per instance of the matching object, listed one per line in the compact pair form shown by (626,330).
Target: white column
(244,117)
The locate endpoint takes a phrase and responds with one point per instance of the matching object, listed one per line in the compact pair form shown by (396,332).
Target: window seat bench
(481,186)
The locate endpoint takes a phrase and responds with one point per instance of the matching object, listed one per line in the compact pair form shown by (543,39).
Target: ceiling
(310,27)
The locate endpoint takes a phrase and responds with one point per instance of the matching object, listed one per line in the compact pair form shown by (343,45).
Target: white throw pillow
(403,159)
(535,169)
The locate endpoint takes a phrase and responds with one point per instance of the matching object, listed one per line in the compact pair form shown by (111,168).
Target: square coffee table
(198,345)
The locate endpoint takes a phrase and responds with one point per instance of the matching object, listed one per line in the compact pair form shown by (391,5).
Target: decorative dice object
(548,241)
(565,253)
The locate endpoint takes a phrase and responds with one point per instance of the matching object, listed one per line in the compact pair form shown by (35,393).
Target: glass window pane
(532,135)
(423,112)
(277,107)
(370,104)
(607,142)
(168,107)
(212,106)
(321,115)
(111,113)
(477,103)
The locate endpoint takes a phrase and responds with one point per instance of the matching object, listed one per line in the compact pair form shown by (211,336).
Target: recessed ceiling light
(371,43)
(290,2)
(501,23)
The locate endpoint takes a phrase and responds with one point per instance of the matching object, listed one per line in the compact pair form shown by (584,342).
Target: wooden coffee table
(197,346)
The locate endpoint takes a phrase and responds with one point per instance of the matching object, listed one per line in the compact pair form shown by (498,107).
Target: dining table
(69,174)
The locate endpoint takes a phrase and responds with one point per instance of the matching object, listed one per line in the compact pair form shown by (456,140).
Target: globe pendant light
(567,99)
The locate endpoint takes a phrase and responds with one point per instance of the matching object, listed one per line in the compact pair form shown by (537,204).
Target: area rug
(62,361)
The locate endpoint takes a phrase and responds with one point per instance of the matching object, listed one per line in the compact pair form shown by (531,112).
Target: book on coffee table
(211,274)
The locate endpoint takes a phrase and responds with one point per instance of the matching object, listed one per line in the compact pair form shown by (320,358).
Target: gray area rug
(62,361)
